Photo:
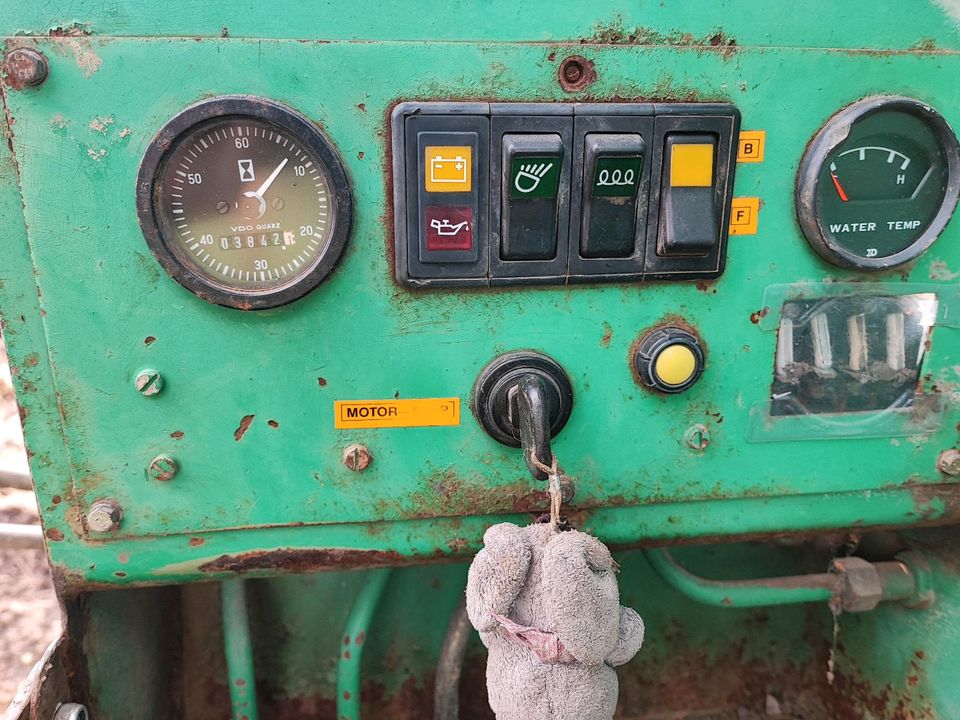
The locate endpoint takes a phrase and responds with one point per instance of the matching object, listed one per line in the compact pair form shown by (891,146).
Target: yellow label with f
(420,412)
(744,215)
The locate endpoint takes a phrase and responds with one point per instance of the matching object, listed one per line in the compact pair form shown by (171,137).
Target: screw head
(697,436)
(163,468)
(104,516)
(149,382)
(25,67)
(949,462)
(357,457)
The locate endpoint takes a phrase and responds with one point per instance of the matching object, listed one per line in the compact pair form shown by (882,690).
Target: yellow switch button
(691,165)
(675,365)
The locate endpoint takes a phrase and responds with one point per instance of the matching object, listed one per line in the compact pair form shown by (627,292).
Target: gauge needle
(258,193)
(840,192)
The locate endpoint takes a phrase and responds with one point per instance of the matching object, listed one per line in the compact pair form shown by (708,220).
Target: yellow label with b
(750,146)
(420,412)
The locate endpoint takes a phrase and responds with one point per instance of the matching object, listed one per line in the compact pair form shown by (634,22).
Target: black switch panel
(492,194)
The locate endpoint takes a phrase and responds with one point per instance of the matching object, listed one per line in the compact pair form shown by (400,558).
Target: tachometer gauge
(878,183)
(244,202)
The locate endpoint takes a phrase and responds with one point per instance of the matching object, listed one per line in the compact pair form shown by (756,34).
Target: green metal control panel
(253,269)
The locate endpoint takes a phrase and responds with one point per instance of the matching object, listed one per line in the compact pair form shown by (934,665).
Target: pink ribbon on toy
(545,645)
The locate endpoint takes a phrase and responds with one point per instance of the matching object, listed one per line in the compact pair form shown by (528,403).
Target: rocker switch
(612,167)
(529,199)
(688,207)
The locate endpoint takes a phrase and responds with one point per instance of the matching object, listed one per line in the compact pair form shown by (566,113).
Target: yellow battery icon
(447,168)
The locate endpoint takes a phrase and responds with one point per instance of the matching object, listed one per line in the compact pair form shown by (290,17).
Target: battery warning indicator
(448,168)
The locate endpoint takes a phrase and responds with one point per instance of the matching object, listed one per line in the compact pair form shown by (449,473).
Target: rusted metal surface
(949,462)
(24,67)
(303,560)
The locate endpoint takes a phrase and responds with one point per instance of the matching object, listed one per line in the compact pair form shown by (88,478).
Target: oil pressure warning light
(878,183)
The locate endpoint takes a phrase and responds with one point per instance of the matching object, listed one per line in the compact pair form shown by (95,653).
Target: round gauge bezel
(289,121)
(833,133)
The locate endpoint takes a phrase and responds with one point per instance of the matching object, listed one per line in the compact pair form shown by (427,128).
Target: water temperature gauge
(244,202)
(878,183)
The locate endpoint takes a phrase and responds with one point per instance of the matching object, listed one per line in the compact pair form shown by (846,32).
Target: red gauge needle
(840,192)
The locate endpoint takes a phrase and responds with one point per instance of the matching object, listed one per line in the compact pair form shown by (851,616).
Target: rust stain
(241,430)
(615,33)
(176,434)
(322,382)
(607,335)
(197,541)
(301,560)
(756,317)
(54,534)
(273,423)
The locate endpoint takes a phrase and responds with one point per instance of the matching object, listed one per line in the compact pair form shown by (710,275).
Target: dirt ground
(29,615)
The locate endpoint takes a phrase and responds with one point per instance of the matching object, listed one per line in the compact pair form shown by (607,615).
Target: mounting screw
(149,382)
(575,73)
(949,462)
(357,457)
(163,468)
(697,436)
(104,516)
(25,67)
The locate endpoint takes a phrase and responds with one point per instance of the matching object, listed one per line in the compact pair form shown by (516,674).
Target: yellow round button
(675,365)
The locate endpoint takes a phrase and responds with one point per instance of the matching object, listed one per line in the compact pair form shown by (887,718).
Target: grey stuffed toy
(547,606)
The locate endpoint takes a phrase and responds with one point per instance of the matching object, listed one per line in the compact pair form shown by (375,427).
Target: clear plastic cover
(849,366)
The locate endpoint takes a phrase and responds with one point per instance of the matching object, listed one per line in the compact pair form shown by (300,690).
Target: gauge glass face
(245,205)
(880,189)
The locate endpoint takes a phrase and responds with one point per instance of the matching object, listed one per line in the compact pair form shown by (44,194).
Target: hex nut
(149,382)
(104,516)
(861,587)
(357,457)
(949,462)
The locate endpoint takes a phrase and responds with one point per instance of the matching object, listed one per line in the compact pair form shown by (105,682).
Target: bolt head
(949,462)
(25,67)
(104,516)
(357,457)
(697,436)
(163,468)
(149,382)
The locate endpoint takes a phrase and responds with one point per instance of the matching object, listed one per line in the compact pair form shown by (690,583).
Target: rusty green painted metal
(86,308)
(82,272)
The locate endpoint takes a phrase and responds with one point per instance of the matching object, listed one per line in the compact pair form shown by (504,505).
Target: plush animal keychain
(546,603)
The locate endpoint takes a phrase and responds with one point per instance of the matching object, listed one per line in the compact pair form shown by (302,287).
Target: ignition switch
(523,399)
